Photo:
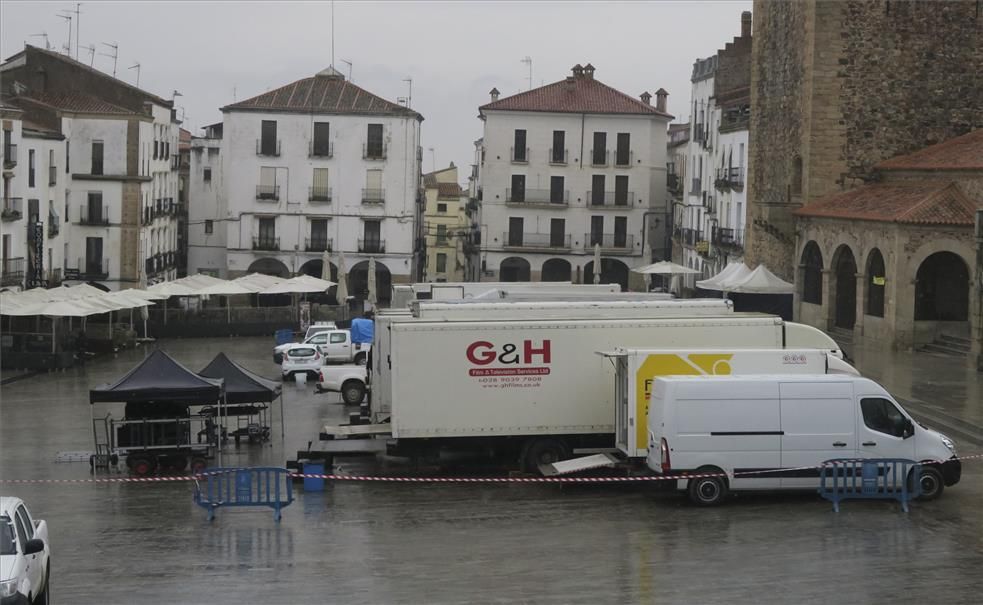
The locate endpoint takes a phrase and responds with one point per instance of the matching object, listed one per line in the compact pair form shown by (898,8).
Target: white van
(774,432)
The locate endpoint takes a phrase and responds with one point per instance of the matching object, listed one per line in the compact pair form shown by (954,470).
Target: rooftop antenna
(332,33)
(349,63)
(92,53)
(409,99)
(67,16)
(175,95)
(78,12)
(433,159)
(136,66)
(114,55)
(44,35)
(528,61)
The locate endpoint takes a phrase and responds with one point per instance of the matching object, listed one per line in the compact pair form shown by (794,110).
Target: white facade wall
(294,168)
(647,185)
(206,202)
(731,152)
(13,227)
(701,173)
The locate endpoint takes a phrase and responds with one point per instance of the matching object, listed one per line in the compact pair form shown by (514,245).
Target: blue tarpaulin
(362,330)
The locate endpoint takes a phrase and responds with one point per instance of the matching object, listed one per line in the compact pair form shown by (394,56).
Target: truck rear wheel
(543,451)
(352,392)
(707,491)
(360,359)
(141,465)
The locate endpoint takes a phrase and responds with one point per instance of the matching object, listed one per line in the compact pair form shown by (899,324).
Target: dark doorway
(514,269)
(845,305)
(942,288)
(612,272)
(555,269)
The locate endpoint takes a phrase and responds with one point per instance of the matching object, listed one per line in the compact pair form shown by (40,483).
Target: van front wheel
(931,482)
(707,491)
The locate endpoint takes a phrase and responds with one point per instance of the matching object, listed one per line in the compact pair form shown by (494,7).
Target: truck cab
(336,346)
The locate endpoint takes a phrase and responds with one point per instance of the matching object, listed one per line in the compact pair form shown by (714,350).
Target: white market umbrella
(326,265)
(763,281)
(199,280)
(172,288)
(61,308)
(226,288)
(373,296)
(664,268)
(731,270)
(299,285)
(257,282)
(342,293)
(597,264)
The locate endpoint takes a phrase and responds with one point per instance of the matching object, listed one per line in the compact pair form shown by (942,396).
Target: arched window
(812,274)
(942,288)
(875,283)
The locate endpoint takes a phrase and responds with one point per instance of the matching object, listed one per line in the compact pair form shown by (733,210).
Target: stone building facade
(838,87)
(895,262)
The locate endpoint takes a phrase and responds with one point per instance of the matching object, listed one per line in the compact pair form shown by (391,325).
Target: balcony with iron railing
(372,246)
(52,175)
(673,184)
(89,268)
(689,237)
(724,237)
(599,158)
(542,241)
(320,150)
(319,194)
(373,196)
(610,242)
(54,224)
(623,158)
(9,156)
(558,157)
(263,242)
(519,155)
(268,193)
(149,214)
(610,199)
(537,197)
(696,187)
(317,244)
(373,152)
(268,147)
(730,178)
(12,271)
(13,208)
(91,214)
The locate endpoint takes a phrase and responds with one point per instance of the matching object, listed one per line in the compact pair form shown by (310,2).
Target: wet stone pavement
(419,543)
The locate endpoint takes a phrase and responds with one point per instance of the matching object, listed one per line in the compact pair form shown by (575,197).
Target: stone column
(861,307)
(828,300)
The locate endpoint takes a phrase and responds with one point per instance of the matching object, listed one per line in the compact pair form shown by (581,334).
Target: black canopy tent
(160,381)
(243,386)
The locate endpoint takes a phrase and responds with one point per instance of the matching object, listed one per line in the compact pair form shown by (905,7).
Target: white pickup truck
(349,380)
(25,556)
(335,346)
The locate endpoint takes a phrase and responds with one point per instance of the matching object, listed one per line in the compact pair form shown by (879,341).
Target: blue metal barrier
(283,336)
(876,479)
(261,486)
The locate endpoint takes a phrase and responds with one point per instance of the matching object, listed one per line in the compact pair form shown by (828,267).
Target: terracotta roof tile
(448,190)
(78,102)
(575,94)
(961,153)
(908,202)
(323,94)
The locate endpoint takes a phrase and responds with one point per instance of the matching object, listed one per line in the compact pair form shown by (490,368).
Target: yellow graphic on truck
(669,364)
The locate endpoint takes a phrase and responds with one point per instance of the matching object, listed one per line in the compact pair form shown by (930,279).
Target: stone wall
(844,85)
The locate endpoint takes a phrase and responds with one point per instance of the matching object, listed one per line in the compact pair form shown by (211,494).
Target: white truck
(532,389)
(352,382)
(335,346)
(774,432)
(403,294)
(25,555)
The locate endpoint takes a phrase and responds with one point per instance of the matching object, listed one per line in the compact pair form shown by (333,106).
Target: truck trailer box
(637,369)
(533,377)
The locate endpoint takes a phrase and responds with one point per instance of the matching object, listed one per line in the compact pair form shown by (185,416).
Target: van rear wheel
(708,491)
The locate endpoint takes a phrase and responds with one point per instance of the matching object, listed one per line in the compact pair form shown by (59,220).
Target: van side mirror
(909,429)
(33,547)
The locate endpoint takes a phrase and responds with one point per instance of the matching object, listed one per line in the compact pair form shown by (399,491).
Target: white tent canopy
(762,281)
(664,268)
(257,282)
(225,288)
(732,273)
(199,280)
(170,288)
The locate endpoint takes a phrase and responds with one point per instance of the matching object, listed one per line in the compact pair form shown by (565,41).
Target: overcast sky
(455,52)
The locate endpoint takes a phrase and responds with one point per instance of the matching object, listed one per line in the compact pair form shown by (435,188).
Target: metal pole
(282,429)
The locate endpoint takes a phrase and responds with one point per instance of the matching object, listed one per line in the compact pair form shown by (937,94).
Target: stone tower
(837,87)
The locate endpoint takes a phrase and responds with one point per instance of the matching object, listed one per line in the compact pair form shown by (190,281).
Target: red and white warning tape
(403,479)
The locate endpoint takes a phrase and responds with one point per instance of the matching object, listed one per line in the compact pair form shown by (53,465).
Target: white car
(25,557)
(335,346)
(349,380)
(300,358)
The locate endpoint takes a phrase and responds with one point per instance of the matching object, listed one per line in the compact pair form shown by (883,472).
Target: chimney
(494,94)
(589,71)
(660,99)
(569,84)
(578,70)
(746,24)
(646,98)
